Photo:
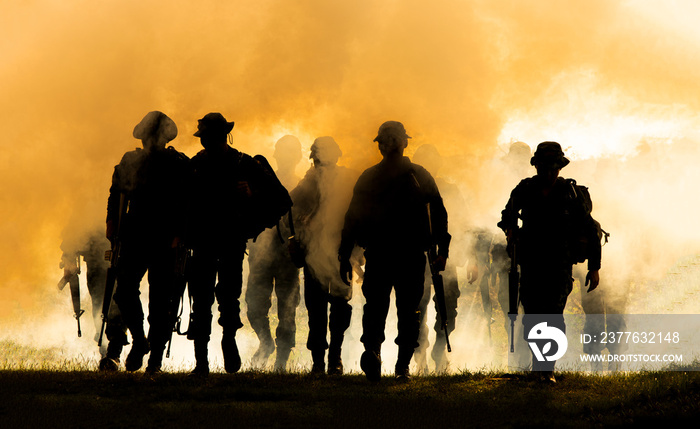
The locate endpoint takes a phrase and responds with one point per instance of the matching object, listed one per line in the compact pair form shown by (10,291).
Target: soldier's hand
(244,188)
(593,277)
(346,271)
(439,263)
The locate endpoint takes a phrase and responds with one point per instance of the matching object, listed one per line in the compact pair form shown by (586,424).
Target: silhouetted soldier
(271,269)
(221,197)
(320,202)
(152,180)
(91,246)
(388,216)
(548,207)
(428,157)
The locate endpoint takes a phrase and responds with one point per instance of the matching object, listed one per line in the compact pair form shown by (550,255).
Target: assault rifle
(113,256)
(438,283)
(513,278)
(73,280)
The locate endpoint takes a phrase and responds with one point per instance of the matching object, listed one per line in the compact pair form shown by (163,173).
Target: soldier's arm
(113,204)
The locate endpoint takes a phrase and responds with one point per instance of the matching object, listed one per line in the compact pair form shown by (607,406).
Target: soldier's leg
(228,293)
(96,276)
(376,289)
(451,298)
(201,288)
(287,290)
(115,331)
(339,322)
(420,353)
(544,291)
(257,297)
(316,299)
(163,287)
(409,272)
(127,297)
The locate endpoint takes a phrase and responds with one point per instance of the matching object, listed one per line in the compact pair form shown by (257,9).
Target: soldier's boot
(401,370)
(155,359)
(335,363)
(111,361)
(319,361)
(139,349)
(265,349)
(201,356)
(232,359)
(371,364)
(282,358)
(439,355)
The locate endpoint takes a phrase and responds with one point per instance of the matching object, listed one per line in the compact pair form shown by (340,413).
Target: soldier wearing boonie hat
(551,214)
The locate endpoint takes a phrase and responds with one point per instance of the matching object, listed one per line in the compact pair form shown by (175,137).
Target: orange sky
(467,76)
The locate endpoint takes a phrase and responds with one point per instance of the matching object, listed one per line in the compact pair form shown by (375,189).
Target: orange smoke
(466,76)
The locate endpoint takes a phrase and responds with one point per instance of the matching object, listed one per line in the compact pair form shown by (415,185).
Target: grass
(82,398)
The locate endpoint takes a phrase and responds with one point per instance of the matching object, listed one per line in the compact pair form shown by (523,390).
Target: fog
(613,81)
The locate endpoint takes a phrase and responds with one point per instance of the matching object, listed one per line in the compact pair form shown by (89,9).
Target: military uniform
(91,247)
(388,217)
(544,251)
(217,236)
(153,181)
(320,201)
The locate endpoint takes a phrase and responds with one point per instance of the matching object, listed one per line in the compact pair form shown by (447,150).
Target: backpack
(585,233)
(270,200)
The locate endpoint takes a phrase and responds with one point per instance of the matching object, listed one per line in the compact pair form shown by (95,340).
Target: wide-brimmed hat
(156,124)
(213,123)
(549,153)
(392,128)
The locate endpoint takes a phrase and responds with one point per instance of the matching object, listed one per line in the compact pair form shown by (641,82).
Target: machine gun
(73,279)
(113,256)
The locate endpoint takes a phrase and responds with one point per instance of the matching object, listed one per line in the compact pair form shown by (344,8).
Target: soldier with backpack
(557,232)
(233,197)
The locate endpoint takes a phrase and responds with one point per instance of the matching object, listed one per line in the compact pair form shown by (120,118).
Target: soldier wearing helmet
(320,201)
(546,205)
(152,180)
(388,217)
